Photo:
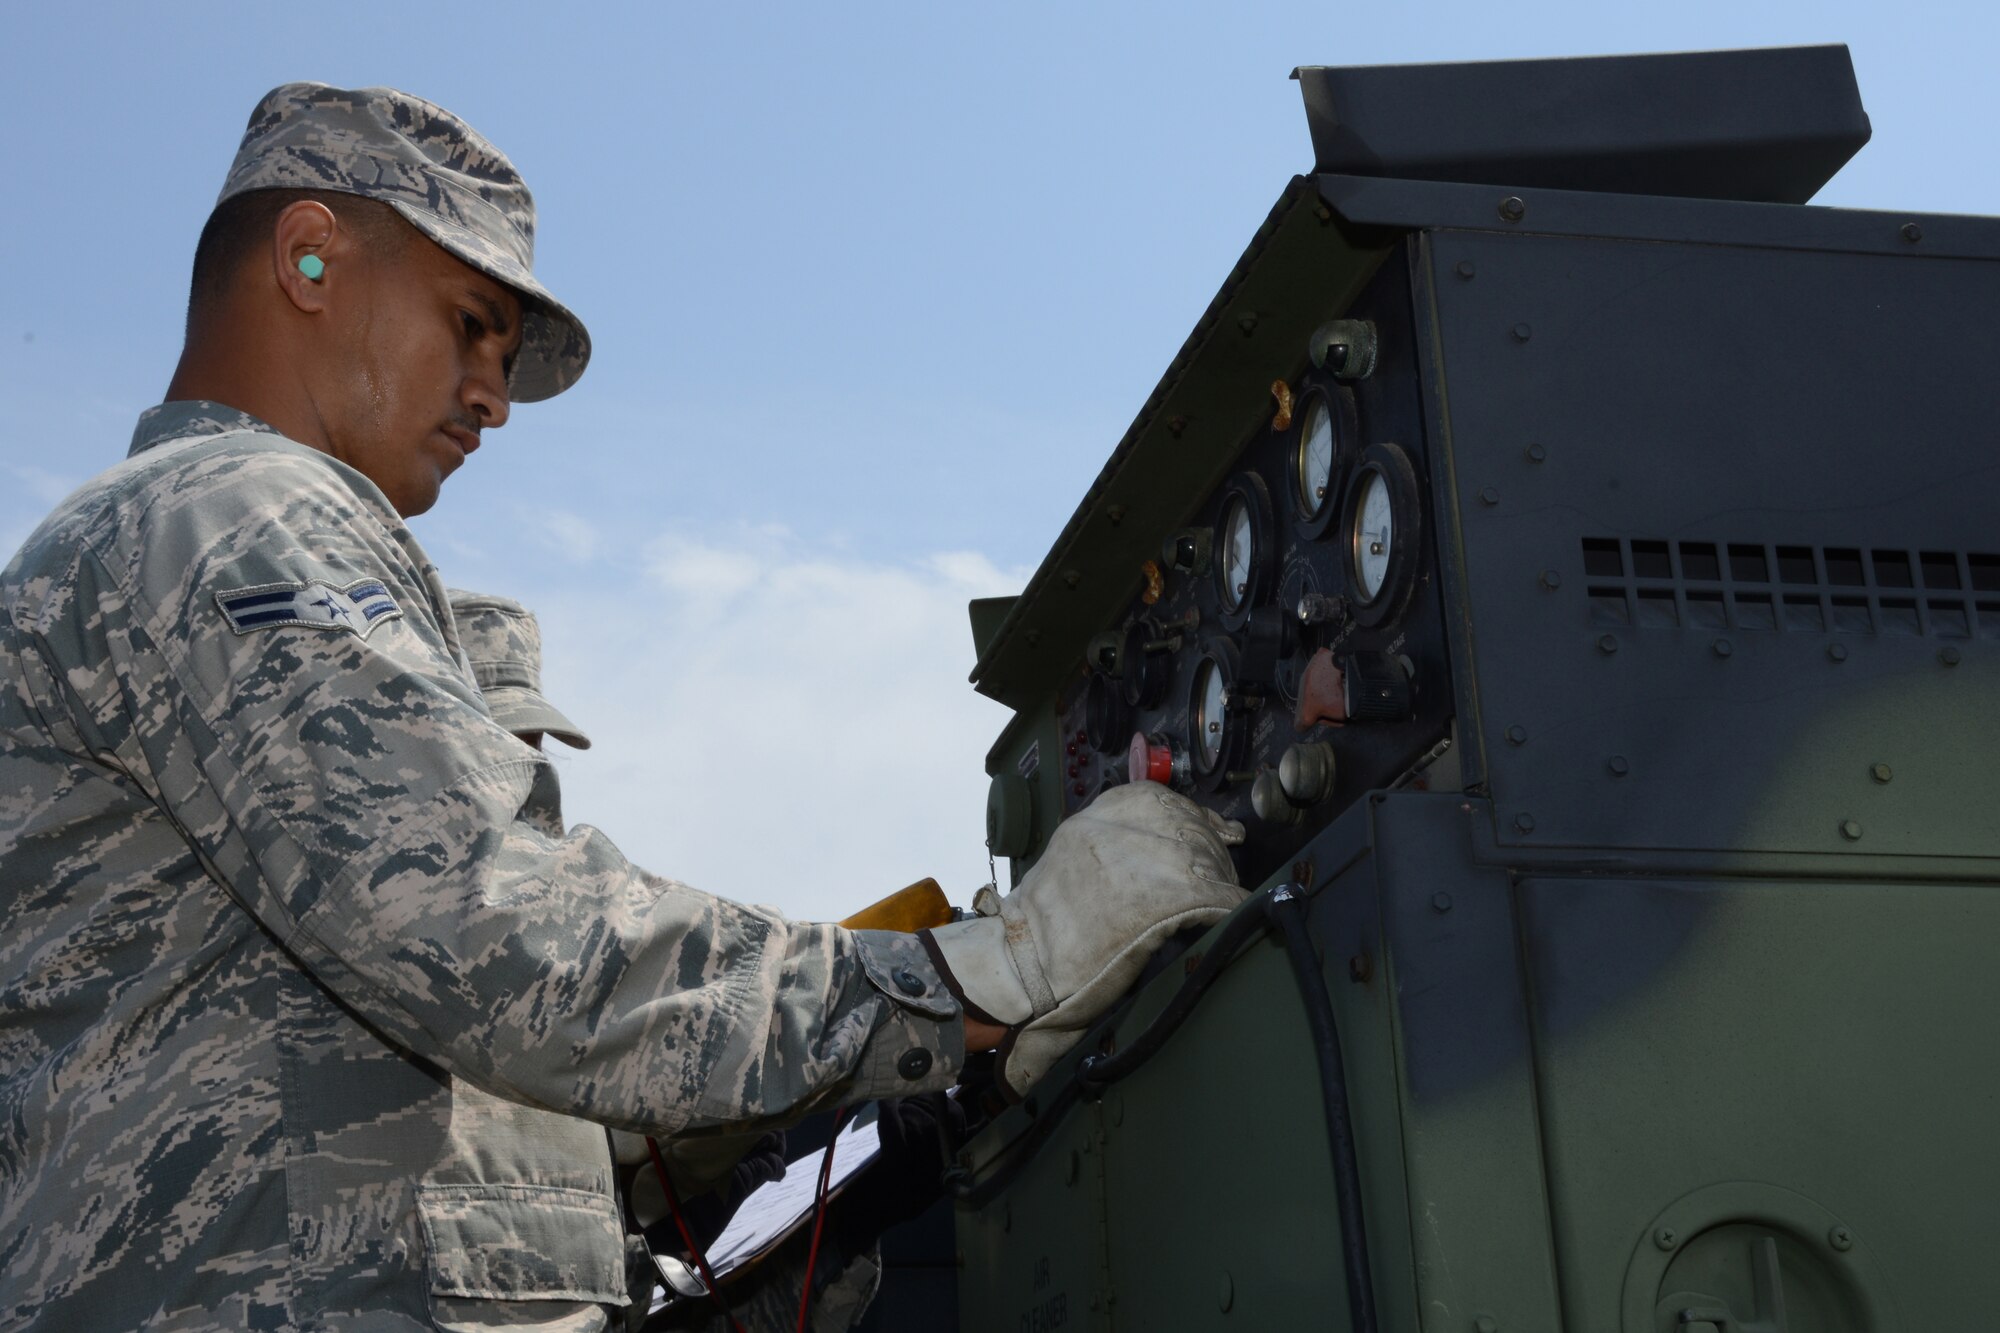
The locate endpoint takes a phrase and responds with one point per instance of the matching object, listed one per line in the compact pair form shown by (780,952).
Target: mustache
(465,421)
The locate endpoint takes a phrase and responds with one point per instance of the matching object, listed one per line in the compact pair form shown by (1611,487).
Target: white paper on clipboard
(772,1212)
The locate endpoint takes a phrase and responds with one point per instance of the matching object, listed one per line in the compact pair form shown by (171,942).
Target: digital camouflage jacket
(275,934)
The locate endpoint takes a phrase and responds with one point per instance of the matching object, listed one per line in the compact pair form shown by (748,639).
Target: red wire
(819,1218)
(687,1237)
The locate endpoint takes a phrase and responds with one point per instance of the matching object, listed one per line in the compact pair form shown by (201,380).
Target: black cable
(1282,908)
(1288,910)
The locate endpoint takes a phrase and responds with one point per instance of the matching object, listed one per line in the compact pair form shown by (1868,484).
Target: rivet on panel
(1836,652)
(1512,209)
(1841,1239)
(1490,495)
(1850,829)
(1537,454)
(1524,822)
(1441,901)
(1880,772)
(1607,643)
(1948,655)
(1666,1238)
(1071,578)
(1517,735)
(1115,514)
(1724,647)
(1551,579)
(1522,333)
(1247,323)
(1618,765)
(1465,269)
(1912,232)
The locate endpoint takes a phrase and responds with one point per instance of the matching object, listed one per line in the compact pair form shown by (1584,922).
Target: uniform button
(909,982)
(914,1064)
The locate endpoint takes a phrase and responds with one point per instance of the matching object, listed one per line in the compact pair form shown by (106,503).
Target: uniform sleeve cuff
(920,1045)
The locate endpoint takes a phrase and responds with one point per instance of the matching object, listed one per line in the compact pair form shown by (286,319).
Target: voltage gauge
(1325,441)
(1245,549)
(1381,517)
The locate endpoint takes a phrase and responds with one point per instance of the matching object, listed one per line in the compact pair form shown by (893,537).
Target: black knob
(1377,687)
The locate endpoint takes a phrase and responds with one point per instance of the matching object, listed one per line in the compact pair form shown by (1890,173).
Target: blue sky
(874,290)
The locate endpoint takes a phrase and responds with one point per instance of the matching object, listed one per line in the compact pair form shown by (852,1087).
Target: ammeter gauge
(1381,518)
(1245,549)
(1215,715)
(1325,442)
(1206,720)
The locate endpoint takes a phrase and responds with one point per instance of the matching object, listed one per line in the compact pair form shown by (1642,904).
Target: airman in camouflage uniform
(269,907)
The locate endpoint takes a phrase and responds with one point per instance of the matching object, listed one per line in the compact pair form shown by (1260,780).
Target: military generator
(1576,561)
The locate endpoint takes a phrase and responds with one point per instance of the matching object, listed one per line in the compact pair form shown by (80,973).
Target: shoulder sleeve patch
(315,604)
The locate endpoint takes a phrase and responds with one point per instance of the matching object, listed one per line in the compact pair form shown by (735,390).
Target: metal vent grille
(1645,584)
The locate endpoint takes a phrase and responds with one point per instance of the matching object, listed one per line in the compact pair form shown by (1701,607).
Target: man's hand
(982,1036)
(1137,865)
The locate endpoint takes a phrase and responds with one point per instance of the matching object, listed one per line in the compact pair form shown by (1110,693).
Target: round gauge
(1312,459)
(1380,519)
(1239,543)
(1215,718)
(1245,549)
(1318,456)
(1206,721)
(1373,536)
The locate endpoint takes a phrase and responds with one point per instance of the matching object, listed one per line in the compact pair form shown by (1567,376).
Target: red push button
(1147,762)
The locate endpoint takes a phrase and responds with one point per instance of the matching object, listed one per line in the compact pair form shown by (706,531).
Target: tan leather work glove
(1133,867)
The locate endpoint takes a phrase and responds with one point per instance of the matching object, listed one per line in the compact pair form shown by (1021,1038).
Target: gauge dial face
(1208,723)
(1374,535)
(1312,473)
(1239,550)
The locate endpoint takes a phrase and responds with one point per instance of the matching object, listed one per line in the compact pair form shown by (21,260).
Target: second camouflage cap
(441,175)
(504,643)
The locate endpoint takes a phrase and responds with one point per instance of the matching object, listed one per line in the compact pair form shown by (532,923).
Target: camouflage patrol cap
(441,175)
(504,643)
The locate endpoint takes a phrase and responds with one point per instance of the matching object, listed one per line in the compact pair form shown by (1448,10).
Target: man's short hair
(241,226)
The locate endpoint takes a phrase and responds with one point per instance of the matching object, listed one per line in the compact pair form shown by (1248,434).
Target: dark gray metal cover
(1768,126)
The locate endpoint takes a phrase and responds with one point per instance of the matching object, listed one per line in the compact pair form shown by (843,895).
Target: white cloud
(44,486)
(571,536)
(781,724)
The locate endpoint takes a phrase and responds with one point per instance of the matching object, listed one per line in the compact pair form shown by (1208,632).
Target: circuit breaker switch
(1305,773)
(1322,692)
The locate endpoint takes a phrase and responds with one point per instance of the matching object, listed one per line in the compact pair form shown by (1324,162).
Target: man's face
(423,347)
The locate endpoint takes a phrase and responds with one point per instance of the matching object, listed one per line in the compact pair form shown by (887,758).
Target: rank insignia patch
(359,607)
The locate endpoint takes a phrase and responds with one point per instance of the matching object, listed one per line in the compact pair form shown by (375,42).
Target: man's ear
(305,230)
